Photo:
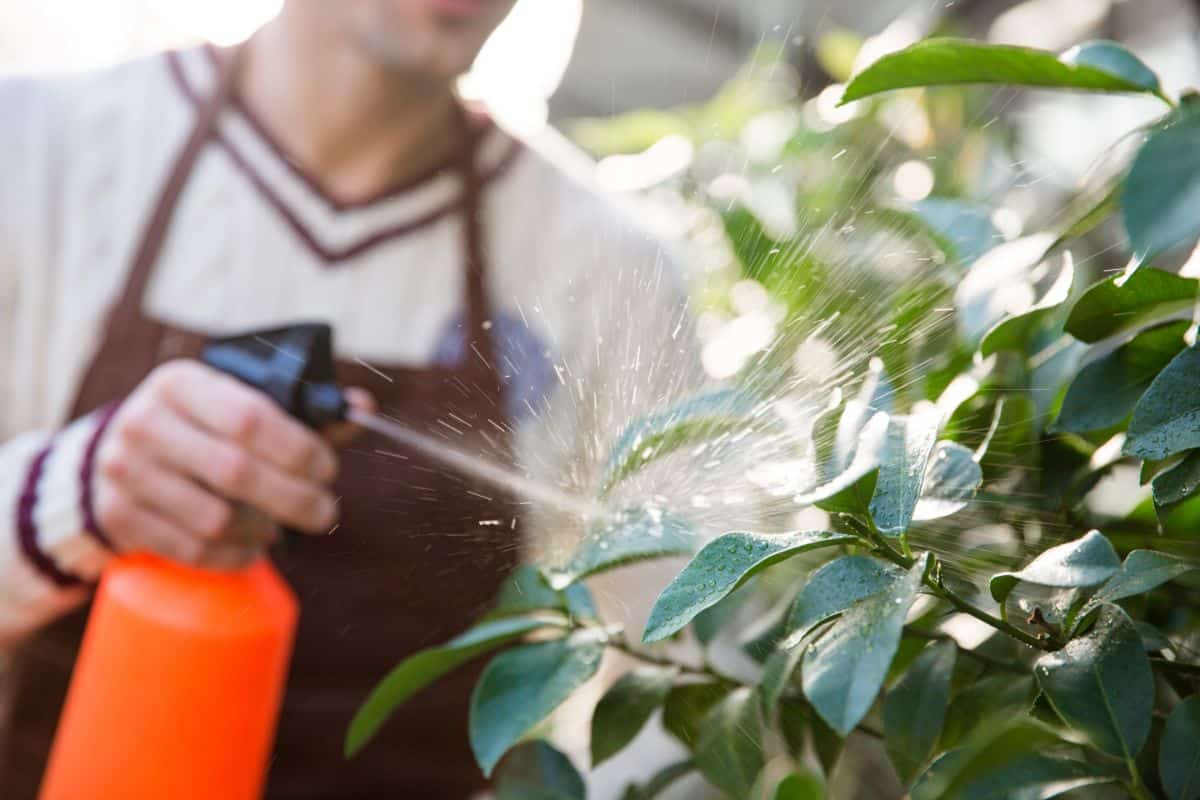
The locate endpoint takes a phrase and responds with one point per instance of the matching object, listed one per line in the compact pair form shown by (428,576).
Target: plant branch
(618,641)
(1180,667)
(940,589)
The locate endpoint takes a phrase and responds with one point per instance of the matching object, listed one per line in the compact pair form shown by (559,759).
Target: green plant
(1093,683)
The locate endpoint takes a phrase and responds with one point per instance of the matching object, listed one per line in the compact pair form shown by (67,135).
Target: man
(324,170)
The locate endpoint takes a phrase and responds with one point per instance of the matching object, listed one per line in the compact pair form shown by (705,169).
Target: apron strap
(480,339)
(129,304)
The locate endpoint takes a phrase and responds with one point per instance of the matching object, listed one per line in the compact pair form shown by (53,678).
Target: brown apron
(410,565)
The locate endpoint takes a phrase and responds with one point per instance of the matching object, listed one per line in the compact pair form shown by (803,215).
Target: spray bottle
(177,688)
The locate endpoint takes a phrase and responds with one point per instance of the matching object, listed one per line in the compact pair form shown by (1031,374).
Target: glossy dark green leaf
(1105,391)
(526,590)
(1086,561)
(1166,420)
(1142,571)
(660,781)
(536,771)
(1126,302)
(1179,482)
(626,537)
(1179,754)
(799,786)
(624,709)
(729,751)
(720,567)
(1003,696)
(937,62)
(1101,684)
(835,587)
(1030,777)
(845,668)
(708,624)
(951,480)
(905,456)
(846,480)
(1159,197)
(697,419)
(777,672)
(915,708)
(421,669)
(1018,332)
(995,742)
(520,687)
(686,707)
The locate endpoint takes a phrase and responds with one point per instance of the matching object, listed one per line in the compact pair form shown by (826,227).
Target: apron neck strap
(155,231)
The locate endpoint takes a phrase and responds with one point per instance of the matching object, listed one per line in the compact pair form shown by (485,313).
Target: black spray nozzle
(292,365)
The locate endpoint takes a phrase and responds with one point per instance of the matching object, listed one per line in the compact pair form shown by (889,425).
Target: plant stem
(619,642)
(941,590)
(1176,666)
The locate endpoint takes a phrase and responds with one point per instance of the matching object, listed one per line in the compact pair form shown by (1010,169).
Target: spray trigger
(292,365)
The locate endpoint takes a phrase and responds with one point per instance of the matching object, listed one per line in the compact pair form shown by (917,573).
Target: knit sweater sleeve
(47,557)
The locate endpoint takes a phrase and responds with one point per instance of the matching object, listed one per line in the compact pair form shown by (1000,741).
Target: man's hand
(200,468)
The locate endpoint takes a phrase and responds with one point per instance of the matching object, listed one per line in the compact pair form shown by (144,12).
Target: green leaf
(729,752)
(660,781)
(777,672)
(1179,754)
(526,590)
(1166,420)
(629,536)
(844,669)
(423,668)
(1020,331)
(1159,199)
(906,451)
(1030,777)
(686,707)
(536,771)
(624,709)
(990,698)
(1177,483)
(847,480)
(720,567)
(951,480)
(1105,391)
(1101,684)
(1086,561)
(835,587)
(1000,282)
(708,623)
(914,710)
(1112,58)
(1142,571)
(697,419)
(520,687)
(1125,302)
(799,786)
(937,62)
(963,231)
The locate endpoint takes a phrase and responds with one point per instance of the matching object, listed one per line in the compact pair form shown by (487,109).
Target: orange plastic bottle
(177,688)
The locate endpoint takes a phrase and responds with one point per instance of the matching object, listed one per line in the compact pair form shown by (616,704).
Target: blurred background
(720,117)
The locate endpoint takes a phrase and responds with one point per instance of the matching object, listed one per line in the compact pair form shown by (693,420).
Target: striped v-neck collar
(334,231)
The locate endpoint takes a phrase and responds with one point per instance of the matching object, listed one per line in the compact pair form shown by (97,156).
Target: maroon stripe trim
(312,181)
(87,505)
(27,533)
(332,256)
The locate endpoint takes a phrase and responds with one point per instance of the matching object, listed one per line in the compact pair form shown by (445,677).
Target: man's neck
(350,121)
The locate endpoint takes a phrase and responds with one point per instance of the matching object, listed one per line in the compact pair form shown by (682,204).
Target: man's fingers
(135,527)
(235,473)
(242,415)
(169,494)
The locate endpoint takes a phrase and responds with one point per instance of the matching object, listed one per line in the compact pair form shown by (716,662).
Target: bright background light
(517,72)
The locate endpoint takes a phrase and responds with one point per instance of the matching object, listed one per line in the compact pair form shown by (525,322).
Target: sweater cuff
(56,520)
